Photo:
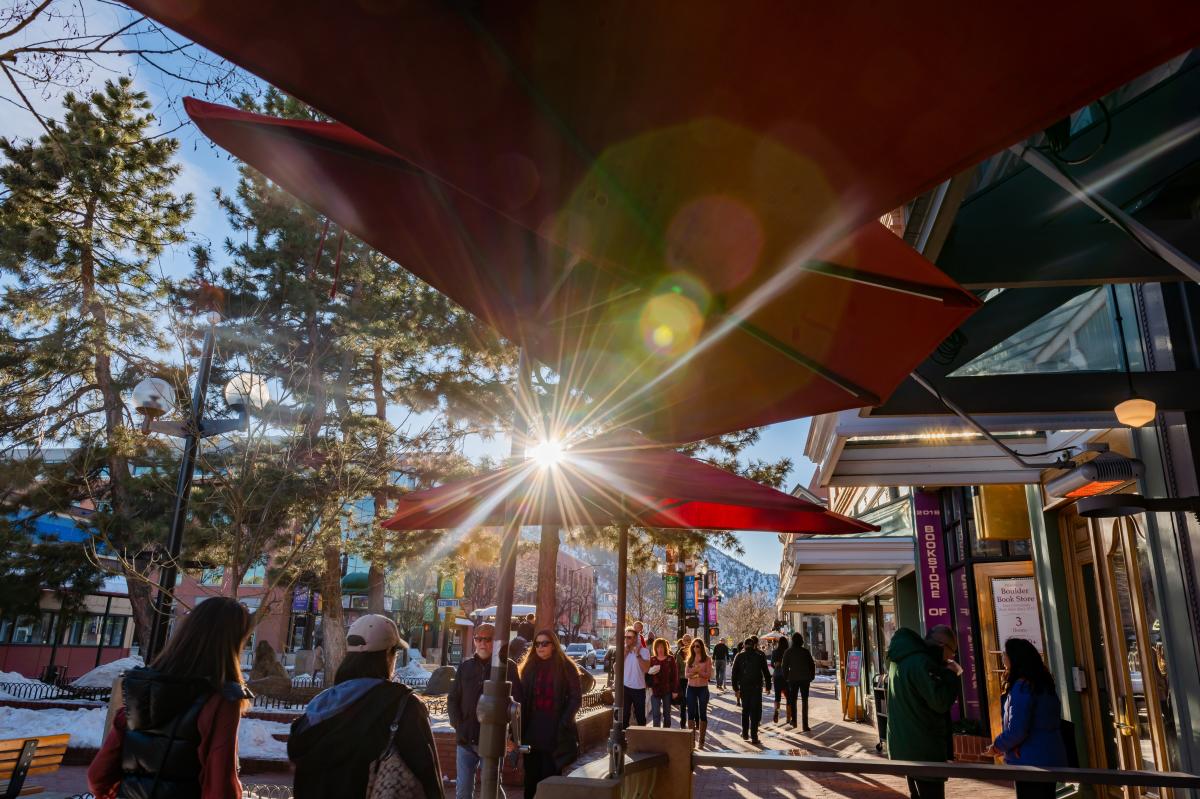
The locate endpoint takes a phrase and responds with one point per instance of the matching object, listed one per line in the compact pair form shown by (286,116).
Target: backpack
(389,776)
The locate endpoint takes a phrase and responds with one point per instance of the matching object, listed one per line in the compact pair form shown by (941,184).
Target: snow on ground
(412,669)
(84,726)
(824,678)
(12,676)
(103,676)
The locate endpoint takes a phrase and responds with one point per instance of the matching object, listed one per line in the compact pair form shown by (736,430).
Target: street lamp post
(704,584)
(153,398)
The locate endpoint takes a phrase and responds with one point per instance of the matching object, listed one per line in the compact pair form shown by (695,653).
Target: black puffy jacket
(159,756)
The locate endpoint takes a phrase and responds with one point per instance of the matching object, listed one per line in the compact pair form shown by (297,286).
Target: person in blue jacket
(1032,715)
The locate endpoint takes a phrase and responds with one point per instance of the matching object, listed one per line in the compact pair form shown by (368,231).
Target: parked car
(583,654)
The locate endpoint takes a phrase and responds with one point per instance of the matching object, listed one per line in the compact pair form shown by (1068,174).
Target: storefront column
(1049,570)
(1172,591)
(908,605)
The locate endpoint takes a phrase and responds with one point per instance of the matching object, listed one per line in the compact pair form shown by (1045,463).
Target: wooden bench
(20,757)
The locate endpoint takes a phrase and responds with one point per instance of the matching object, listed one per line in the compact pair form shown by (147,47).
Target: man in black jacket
(751,679)
(799,670)
(463,702)
(720,656)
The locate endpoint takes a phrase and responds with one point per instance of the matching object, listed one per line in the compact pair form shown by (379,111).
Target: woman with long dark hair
(699,672)
(551,695)
(1032,715)
(350,730)
(176,736)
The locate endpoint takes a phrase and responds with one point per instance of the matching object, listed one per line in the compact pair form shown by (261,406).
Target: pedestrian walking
(681,653)
(663,679)
(737,650)
(365,729)
(176,735)
(751,679)
(777,673)
(526,629)
(699,673)
(637,663)
(551,694)
(922,684)
(799,670)
(720,655)
(462,705)
(1032,714)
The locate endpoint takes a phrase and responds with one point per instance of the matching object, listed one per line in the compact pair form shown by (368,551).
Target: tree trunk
(140,598)
(333,625)
(547,585)
(376,583)
(376,586)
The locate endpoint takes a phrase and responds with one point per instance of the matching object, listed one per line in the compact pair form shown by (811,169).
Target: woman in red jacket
(663,680)
(176,736)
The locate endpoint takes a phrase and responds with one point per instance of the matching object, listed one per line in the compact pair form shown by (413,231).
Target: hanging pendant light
(1137,410)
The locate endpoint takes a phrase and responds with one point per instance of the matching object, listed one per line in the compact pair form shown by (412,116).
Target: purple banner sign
(966,645)
(712,611)
(931,560)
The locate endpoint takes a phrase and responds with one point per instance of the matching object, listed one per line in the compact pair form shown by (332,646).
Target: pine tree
(348,334)
(87,210)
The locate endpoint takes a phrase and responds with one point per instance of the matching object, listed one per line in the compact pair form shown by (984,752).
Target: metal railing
(38,691)
(969,771)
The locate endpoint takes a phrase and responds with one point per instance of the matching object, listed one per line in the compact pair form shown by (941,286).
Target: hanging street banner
(931,560)
(671,591)
(446,586)
(966,648)
(712,610)
(689,593)
(430,609)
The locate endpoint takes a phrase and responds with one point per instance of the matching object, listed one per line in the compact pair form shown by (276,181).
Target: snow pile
(304,680)
(824,678)
(103,676)
(85,729)
(12,676)
(255,739)
(412,670)
(84,726)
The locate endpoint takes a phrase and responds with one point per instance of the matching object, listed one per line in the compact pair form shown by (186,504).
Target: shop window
(212,576)
(256,574)
(33,629)
(114,631)
(6,628)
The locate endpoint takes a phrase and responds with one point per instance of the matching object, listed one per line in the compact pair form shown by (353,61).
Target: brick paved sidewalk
(830,737)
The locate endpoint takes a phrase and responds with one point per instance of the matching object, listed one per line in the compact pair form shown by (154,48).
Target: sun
(547,453)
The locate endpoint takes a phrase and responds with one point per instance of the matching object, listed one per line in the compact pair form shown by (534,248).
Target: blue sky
(205,167)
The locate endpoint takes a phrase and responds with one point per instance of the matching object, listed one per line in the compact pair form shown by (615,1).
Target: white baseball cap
(372,633)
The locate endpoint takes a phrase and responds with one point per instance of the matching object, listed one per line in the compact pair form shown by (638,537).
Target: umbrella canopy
(616,478)
(538,107)
(725,341)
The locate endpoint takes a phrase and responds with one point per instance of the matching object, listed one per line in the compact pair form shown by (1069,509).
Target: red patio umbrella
(793,344)
(620,477)
(624,109)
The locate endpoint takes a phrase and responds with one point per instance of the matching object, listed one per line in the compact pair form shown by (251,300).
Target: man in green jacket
(923,684)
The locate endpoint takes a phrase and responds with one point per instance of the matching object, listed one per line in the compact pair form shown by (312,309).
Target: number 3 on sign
(1018,624)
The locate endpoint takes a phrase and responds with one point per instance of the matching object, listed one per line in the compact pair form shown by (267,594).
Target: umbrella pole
(616,739)
(493,709)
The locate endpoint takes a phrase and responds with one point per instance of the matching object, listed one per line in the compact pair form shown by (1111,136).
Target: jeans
(926,789)
(720,664)
(800,689)
(697,702)
(467,762)
(660,710)
(751,712)
(635,699)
